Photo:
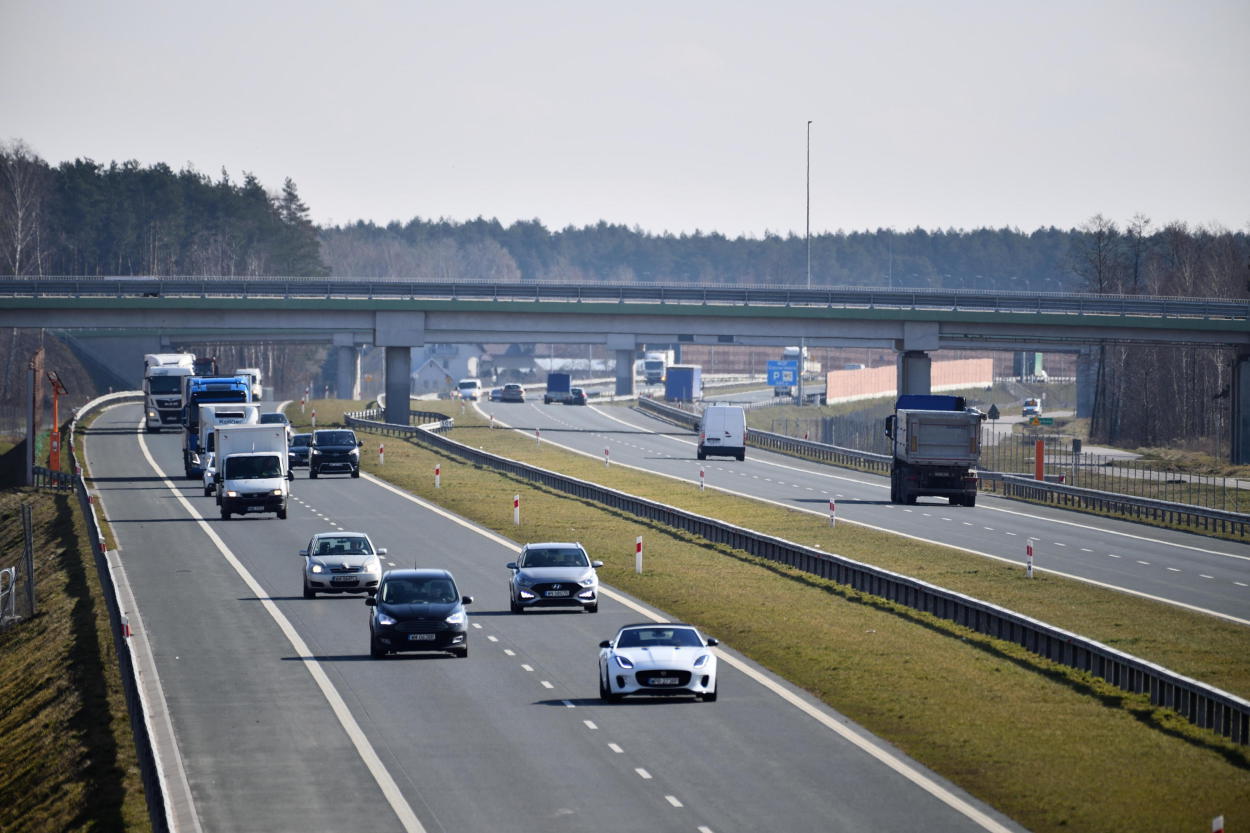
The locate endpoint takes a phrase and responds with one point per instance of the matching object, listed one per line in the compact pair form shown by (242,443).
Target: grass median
(1054,748)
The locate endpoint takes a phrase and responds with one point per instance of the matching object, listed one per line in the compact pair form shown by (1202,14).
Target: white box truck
(212,416)
(253,376)
(252,470)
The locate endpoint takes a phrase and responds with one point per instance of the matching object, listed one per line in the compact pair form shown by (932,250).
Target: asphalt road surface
(283,722)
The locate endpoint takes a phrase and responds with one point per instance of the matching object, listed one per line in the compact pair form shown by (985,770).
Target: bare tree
(23,189)
(1096,255)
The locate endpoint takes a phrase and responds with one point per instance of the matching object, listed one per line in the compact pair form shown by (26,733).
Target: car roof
(537,544)
(420,572)
(343,534)
(657,625)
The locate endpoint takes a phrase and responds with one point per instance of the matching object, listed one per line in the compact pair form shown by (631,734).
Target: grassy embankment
(1053,748)
(67,757)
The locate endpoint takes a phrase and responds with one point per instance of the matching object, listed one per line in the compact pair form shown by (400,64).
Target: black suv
(418,610)
(334,450)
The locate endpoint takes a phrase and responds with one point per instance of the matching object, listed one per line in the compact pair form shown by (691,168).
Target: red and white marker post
(1028,558)
(492,420)
(1217,824)
(638,554)
(314,418)
(438,475)
(516,509)
(702,479)
(833,512)
(301,406)
(607,458)
(381,454)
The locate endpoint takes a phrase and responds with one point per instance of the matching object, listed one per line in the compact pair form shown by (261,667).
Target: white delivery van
(723,432)
(252,469)
(470,389)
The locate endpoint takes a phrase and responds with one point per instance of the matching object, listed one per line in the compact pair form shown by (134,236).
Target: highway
(283,722)
(1205,574)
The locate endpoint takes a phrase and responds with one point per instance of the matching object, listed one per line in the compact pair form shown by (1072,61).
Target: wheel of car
(462,653)
(309,593)
(225,514)
(312,473)
(208,491)
(516,608)
(603,690)
(701,455)
(710,697)
(375,650)
(742,455)
(594,608)
(355,472)
(282,514)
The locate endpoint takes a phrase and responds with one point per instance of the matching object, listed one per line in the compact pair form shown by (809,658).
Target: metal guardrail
(738,295)
(1203,705)
(153,784)
(49,479)
(1196,518)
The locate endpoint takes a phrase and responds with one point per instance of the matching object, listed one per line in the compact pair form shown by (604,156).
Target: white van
(470,389)
(723,432)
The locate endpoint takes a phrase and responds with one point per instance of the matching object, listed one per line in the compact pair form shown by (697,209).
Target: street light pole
(808,236)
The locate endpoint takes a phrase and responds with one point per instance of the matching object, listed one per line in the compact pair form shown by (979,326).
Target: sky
(670,117)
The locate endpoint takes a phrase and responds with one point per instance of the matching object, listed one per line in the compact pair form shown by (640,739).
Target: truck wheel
(742,455)
(971,500)
(894,495)
(312,474)
(909,498)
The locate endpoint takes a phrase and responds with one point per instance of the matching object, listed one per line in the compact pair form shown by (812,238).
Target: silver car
(553,574)
(341,562)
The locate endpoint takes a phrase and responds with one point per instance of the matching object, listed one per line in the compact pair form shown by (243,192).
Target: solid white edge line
(1003,559)
(898,765)
(385,782)
(180,812)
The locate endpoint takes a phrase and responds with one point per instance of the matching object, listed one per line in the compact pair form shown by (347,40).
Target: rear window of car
(266,419)
(301,439)
(335,438)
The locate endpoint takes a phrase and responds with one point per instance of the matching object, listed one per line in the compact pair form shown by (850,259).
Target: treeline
(85,218)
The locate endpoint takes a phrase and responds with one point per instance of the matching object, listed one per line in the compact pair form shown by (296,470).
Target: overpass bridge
(401,314)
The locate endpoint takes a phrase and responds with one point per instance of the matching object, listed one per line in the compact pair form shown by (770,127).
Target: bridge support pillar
(914,368)
(1240,452)
(398,384)
(625,372)
(1086,382)
(348,371)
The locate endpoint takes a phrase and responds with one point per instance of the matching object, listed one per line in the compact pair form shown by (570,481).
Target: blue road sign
(783,373)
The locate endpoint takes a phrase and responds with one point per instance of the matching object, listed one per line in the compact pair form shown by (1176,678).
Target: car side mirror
(889,426)
(607,643)
(381,550)
(712,641)
(511,565)
(360,443)
(290,475)
(596,564)
(371,601)
(303,553)
(466,600)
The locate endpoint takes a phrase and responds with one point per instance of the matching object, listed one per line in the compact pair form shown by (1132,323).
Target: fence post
(28,557)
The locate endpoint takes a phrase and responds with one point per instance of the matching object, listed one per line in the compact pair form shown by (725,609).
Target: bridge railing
(745,295)
(1201,704)
(1197,518)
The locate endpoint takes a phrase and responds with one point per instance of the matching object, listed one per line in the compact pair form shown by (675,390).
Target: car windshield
(165,384)
(247,468)
(343,545)
(270,418)
(300,439)
(653,637)
(418,591)
(335,438)
(555,557)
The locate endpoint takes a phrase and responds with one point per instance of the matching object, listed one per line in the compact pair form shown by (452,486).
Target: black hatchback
(334,450)
(418,610)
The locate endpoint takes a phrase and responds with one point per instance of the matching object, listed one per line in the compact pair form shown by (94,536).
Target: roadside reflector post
(1039,460)
(516,509)
(301,406)
(702,479)
(438,475)
(381,454)
(126,632)
(1028,558)
(492,420)
(638,554)
(1217,824)
(314,418)
(833,513)
(538,437)
(607,458)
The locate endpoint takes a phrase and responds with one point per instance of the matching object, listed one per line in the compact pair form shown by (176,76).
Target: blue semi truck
(208,390)
(683,383)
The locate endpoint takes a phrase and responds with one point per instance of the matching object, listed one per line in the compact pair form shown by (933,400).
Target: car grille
(541,589)
(253,495)
(335,457)
(682,677)
(347,569)
(421,626)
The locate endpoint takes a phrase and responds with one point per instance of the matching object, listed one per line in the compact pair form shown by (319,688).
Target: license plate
(663,681)
(711,440)
(342,579)
(420,637)
(256,508)
(557,593)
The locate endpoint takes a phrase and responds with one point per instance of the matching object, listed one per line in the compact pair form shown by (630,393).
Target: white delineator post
(381,454)
(1217,824)
(438,475)
(516,509)
(538,437)
(833,513)
(1028,558)
(301,406)
(638,554)
(702,479)
(607,458)
(314,418)
(492,420)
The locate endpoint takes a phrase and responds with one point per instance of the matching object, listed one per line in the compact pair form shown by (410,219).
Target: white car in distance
(657,659)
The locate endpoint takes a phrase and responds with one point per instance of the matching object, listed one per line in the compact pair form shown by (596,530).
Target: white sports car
(657,659)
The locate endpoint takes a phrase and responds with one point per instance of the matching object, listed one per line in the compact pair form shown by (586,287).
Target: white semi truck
(252,469)
(163,375)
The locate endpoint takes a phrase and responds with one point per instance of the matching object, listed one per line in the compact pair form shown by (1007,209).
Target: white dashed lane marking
(643,774)
(615,748)
(590,724)
(672,799)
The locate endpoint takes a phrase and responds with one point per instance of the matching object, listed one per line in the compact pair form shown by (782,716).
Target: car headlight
(314,451)
(232,493)
(623,662)
(589,581)
(372,566)
(355,452)
(702,661)
(276,492)
(456,618)
(523,580)
(384,620)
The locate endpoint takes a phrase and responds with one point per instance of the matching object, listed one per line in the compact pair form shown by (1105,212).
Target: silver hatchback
(554,574)
(341,562)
